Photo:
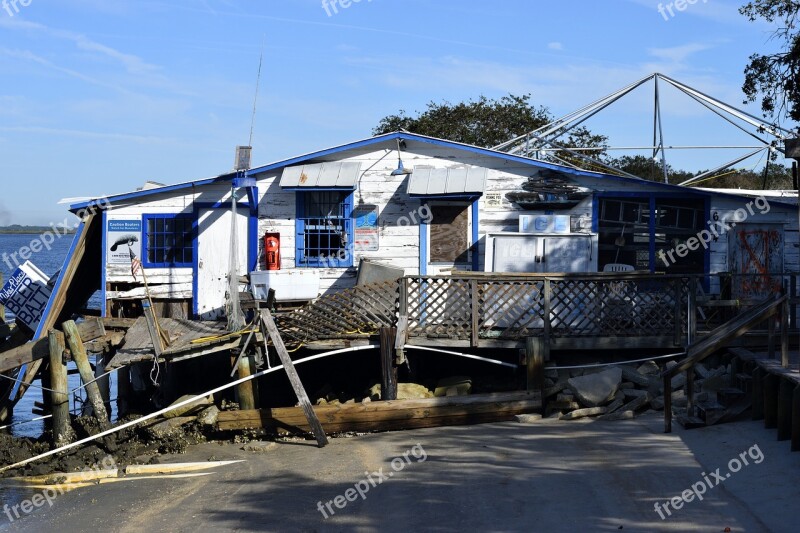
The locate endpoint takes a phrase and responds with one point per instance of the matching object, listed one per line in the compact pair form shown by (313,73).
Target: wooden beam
(388,368)
(536,355)
(294,378)
(87,376)
(247,397)
(88,330)
(390,415)
(118,323)
(725,333)
(59,298)
(62,428)
(785,392)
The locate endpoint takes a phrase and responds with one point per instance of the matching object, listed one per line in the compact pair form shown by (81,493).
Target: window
(168,241)
(624,225)
(449,234)
(324,229)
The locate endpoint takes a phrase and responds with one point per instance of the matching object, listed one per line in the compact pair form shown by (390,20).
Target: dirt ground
(548,475)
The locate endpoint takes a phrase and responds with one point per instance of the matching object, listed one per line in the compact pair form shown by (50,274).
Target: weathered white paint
(398,231)
(214,239)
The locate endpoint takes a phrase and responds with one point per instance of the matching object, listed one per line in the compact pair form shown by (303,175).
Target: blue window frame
(168,240)
(324,229)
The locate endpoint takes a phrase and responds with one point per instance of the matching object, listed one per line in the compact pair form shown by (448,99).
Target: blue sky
(97,96)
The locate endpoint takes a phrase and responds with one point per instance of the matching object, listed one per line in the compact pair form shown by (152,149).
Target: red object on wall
(272,251)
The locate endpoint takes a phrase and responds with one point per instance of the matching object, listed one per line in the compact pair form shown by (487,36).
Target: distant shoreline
(31,230)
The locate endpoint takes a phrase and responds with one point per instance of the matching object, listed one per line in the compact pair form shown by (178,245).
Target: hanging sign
(26,294)
(120,236)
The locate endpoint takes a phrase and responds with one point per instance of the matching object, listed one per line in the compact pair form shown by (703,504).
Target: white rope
(468,356)
(597,365)
(37,419)
(179,404)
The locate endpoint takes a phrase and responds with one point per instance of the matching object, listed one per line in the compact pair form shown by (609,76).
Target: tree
(482,122)
(775,78)
(485,122)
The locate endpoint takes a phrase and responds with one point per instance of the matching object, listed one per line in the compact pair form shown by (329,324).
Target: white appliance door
(566,254)
(517,253)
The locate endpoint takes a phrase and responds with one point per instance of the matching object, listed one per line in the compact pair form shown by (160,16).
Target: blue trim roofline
(405,136)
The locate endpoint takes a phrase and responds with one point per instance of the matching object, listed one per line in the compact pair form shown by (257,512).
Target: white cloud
(555,45)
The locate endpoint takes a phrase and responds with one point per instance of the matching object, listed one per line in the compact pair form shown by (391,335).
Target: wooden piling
(85,369)
(758,394)
(785,392)
(771,386)
(388,368)
(535,356)
(246,390)
(796,419)
(62,428)
(124,391)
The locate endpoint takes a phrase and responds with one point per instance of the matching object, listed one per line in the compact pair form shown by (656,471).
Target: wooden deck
(183,335)
(569,311)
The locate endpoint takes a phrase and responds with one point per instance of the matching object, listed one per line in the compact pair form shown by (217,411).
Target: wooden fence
(475,307)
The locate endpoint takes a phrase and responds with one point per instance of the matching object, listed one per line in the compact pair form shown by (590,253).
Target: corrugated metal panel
(428,181)
(322,175)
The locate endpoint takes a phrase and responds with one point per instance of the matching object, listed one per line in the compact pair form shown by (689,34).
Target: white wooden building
(451,209)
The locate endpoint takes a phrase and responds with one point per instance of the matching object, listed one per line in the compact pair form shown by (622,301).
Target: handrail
(698,351)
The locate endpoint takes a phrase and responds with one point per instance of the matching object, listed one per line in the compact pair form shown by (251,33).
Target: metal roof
(429,181)
(389,139)
(322,175)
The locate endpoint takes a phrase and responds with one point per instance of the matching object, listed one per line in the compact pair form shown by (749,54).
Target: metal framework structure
(543,143)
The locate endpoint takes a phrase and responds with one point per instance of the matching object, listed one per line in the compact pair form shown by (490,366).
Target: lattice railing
(349,313)
(519,307)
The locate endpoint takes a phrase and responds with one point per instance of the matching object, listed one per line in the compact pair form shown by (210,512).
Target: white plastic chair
(618,267)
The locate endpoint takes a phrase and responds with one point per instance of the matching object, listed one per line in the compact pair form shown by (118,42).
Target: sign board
(366,231)
(559,224)
(26,294)
(121,235)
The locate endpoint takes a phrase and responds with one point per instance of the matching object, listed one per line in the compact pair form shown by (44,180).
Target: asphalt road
(545,476)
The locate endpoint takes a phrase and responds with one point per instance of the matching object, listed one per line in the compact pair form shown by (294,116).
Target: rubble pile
(621,392)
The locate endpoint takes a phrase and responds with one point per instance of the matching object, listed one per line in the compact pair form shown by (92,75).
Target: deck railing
(475,307)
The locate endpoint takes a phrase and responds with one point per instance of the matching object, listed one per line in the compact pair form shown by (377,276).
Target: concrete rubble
(622,392)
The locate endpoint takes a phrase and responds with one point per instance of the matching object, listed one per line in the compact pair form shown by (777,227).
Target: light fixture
(401,170)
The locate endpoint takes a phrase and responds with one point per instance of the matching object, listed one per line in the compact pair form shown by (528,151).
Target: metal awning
(336,175)
(429,181)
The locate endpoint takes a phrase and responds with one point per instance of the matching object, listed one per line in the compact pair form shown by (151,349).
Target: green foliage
(482,122)
(775,78)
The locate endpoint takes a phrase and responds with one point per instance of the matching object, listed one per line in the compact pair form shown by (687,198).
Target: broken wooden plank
(294,378)
(87,376)
(90,229)
(118,323)
(389,415)
(88,330)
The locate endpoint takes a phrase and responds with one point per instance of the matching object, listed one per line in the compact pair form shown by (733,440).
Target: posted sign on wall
(26,294)
(120,236)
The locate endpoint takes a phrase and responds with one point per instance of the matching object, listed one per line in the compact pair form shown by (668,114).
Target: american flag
(136,265)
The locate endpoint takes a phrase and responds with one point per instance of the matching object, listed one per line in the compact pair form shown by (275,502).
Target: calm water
(50,262)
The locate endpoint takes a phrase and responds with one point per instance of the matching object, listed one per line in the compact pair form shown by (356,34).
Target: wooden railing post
(474,312)
(677,312)
(792,295)
(548,296)
(691,312)
(784,315)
